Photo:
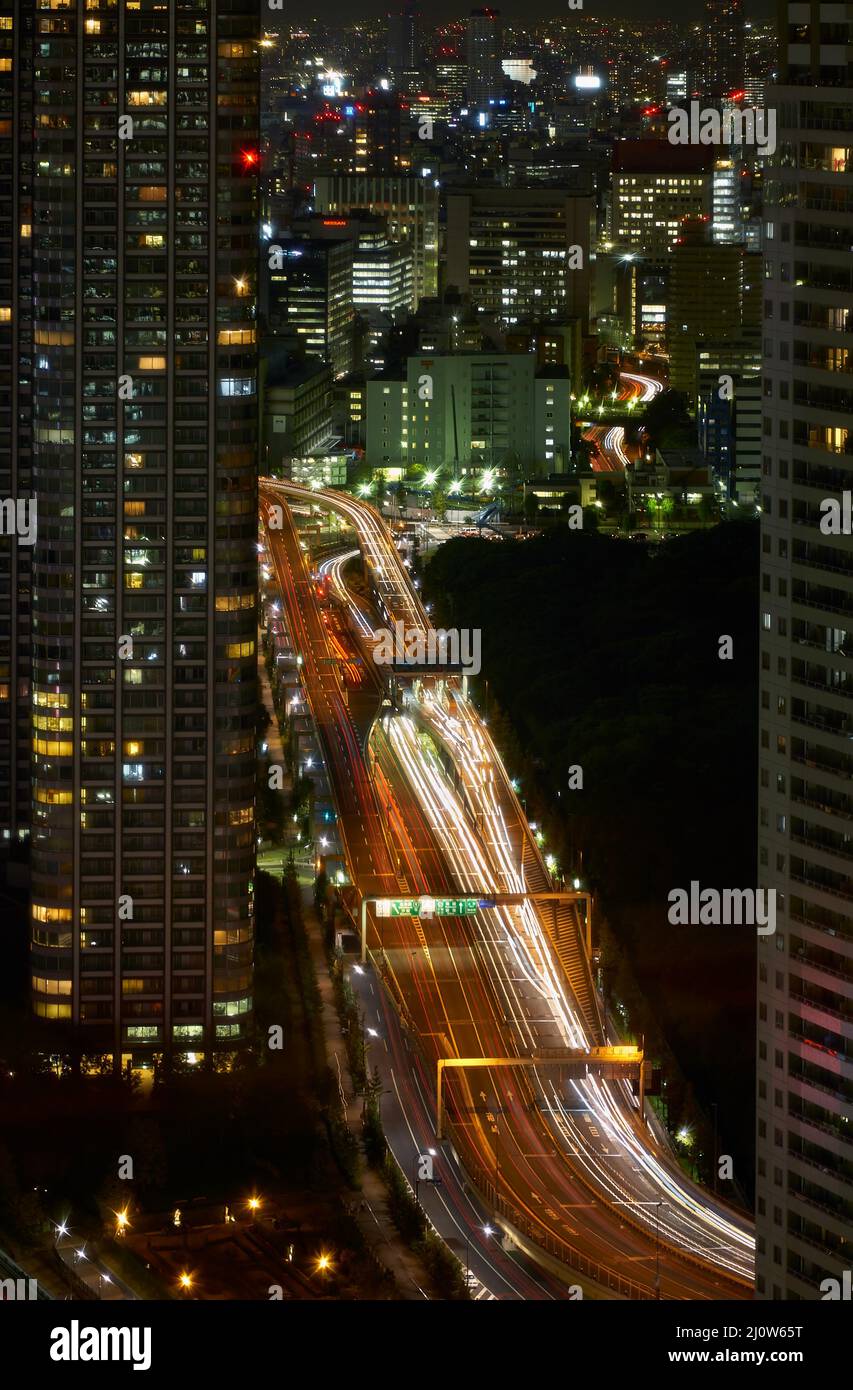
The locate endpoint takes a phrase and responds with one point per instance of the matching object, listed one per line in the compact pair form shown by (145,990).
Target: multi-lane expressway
(426,808)
(610,439)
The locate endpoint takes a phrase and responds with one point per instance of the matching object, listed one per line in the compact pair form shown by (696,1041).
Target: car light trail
(477,824)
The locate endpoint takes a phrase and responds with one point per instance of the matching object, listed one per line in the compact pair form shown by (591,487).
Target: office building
(521,254)
(409,207)
(144,573)
(729,414)
(450,78)
(706,297)
(310,297)
(727,223)
(804,1187)
(296,409)
(382,275)
(655,186)
(472,412)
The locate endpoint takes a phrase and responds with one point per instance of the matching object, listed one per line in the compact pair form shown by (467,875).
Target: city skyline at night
(425,560)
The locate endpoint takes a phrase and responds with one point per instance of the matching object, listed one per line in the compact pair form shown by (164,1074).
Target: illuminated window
(227,337)
(146,98)
(54,698)
(152,364)
(234,649)
(45,337)
(237,386)
(53,748)
(230,603)
(47,985)
(54,724)
(41,1009)
(43,913)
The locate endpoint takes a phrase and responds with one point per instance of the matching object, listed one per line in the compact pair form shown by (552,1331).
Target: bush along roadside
(445,1271)
(407,1215)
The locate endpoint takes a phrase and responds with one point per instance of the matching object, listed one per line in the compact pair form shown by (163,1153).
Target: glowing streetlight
(122,1222)
(324,1263)
(186,1281)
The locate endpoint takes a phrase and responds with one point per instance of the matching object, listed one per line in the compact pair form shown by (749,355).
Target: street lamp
(657,1204)
(487,1231)
(186,1281)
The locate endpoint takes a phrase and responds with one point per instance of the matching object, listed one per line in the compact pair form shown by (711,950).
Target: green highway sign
(427,907)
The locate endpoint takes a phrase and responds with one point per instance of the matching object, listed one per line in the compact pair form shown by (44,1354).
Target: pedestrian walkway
(273,736)
(369,1208)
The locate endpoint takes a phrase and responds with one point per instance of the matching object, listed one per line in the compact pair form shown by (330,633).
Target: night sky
(518,10)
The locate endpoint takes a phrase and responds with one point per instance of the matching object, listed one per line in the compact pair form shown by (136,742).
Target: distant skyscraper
(805,840)
(403,52)
(144,691)
(760,59)
(724,48)
(728,223)
(485,74)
